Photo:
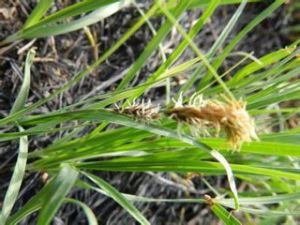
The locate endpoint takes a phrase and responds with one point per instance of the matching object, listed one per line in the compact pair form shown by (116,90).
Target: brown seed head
(238,124)
(230,116)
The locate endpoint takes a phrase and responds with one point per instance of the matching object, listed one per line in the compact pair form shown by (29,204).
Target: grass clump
(258,184)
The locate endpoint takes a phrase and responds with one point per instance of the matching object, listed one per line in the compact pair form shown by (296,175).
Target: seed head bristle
(140,110)
(238,124)
(229,116)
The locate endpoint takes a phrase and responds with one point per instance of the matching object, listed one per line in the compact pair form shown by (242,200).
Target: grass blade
(218,62)
(230,176)
(152,45)
(266,60)
(75,10)
(24,91)
(118,197)
(216,46)
(31,206)
(183,45)
(61,186)
(19,171)
(16,180)
(92,220)
(203,3)
(263,200)
(177,165)
(232,22)
(194,47)
(40,9)
(86,71)
(115,118)
(56,29)
(226,217)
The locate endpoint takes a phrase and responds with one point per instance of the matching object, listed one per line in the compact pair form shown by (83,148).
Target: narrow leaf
(92,220)
(19,171)
(60,188)
(226,217)
(24,91)
(118,197)
(61,28)
(16,180)
(230,176)
(40,9)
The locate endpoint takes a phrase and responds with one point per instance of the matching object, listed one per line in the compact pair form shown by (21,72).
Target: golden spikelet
(230,116)
(140,110)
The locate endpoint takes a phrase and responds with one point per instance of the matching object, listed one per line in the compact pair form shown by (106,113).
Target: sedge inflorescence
(229,116)
(140,110)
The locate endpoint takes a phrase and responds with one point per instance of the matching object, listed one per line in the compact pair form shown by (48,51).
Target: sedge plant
(230,133)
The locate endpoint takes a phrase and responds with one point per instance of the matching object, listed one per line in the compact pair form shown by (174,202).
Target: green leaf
(203,3)
(226,217)
(152,45)
(20,167)
(183,45)
(230,176)
(56,23)
(262,200)
(86,71)
(75,10)
(198,52)
(24,91)
(266,60)
(140,164)
(218,62)
(41,30)
(216,46)
(120,119)
(16,180)
(34,204)
(118,197)
(92,220)
(39,10)
(61,186)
